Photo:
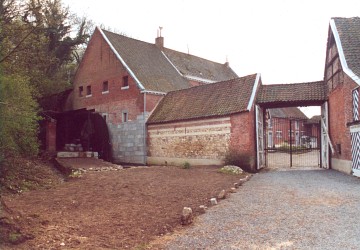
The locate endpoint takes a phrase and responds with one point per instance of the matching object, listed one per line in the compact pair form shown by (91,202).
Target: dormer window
(125,82)
(105,87)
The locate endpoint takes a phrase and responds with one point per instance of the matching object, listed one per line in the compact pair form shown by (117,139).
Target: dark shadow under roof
(215,99)
(296,94)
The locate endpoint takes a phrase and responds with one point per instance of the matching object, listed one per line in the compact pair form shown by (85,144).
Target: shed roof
(289,112)
(215,99)
(164,70)
(347,36)
(295,93)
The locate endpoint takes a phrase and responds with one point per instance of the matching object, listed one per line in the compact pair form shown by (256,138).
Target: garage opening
(292,138)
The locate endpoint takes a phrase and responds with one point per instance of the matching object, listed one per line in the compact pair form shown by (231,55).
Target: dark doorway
(85,127)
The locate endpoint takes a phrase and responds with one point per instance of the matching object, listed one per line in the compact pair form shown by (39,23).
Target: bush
(186,165)
(18,118)
(242,160)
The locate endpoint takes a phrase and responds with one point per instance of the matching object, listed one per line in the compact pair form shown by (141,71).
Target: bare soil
(123,209)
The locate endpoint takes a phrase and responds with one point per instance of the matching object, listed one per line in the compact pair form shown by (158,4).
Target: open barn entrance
(82,131)
(292,140)
(286,137)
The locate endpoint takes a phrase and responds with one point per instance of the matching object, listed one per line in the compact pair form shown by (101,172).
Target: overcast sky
(283,40)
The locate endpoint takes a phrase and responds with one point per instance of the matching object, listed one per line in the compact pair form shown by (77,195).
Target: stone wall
(199,142)
(128,143)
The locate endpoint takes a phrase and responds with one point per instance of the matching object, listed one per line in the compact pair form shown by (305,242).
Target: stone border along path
(302,209)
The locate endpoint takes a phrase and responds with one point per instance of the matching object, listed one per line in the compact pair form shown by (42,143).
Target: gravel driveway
(302,209)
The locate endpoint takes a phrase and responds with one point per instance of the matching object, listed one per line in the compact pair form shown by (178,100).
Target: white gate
(260,137)
(325,138)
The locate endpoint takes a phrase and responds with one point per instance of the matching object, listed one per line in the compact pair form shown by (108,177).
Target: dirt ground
(123,209)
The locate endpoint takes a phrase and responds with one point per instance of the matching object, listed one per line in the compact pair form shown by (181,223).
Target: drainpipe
(144,114)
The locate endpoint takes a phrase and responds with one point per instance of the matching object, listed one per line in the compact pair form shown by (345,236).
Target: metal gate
(292,143)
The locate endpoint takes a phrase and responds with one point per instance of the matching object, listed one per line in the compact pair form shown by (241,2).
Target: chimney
(227,62)
(159,41)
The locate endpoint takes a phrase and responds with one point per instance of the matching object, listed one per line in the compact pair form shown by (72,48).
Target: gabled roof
(163,71)
(147,63)
(314,120)
(215,99)
(290,112)
(199,69)
(295,93)
(346,32)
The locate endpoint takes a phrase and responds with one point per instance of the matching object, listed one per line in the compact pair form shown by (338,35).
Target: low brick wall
(202,142)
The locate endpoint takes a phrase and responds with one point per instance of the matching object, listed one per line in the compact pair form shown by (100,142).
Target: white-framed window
(125,116)
(297,125)
(270,123)
(81,91)
(278,134)
(105,87)
(125,83)
(88,91)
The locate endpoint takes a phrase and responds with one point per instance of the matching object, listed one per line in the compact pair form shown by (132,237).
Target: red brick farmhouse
(202,109)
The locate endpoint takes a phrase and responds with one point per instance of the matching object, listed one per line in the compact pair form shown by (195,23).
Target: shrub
(186,165)
(242,160)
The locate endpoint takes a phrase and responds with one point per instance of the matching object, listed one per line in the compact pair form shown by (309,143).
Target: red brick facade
(340,113)
(101,65)
(243,138)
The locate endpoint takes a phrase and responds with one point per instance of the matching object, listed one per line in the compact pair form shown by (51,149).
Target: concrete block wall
(128,142)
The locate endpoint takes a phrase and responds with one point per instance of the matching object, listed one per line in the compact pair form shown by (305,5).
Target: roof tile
(154,71)
(215,99)
(296,92)
(349,32)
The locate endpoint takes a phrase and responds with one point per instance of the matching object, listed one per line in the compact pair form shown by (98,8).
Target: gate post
(290,143)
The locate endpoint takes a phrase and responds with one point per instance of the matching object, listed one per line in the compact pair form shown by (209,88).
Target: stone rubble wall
(207,139)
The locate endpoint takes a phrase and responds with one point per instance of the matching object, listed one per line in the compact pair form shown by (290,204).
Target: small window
(125,83)
(278,134)
(81,91)
(105,87)
(88,90)
(125,116)
(297,125)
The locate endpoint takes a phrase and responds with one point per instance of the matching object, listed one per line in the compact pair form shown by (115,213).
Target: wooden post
(51,136)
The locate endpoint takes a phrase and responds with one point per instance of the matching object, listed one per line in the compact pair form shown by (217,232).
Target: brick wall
(199,142)
(340,113)
(243,137)
(100,65)
(202,142)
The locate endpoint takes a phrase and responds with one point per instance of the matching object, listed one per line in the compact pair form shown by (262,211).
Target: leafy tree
(39,40)
(19,119)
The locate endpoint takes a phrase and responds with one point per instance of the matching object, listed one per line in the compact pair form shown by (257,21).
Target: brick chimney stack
(159,41)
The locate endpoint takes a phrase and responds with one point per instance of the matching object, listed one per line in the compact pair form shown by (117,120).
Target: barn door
(325,139)
(260,137)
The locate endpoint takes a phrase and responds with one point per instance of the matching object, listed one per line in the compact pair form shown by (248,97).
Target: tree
(37,53)
(19,119)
